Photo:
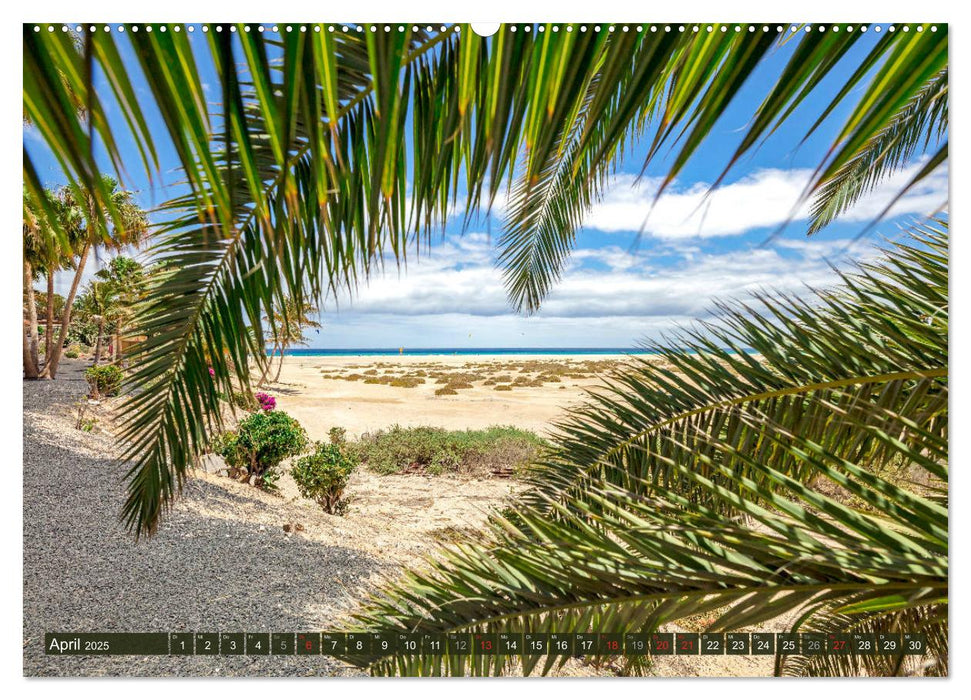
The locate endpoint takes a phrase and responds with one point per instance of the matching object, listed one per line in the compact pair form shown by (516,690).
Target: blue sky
(620,287)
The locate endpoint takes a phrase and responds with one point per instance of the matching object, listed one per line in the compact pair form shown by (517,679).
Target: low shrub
(260,442)
(436,450)
(445,391)
(503,387)
(104,380)
(244,400)
(73,351)
(337,435)
(407,382)
(323,475)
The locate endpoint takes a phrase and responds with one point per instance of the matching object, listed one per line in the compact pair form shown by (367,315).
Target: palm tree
(306,181)
(132,229)
(125,282)
(31,259)
(286,324)
(809,477)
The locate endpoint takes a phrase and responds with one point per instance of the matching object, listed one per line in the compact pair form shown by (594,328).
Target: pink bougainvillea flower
(212,372)
(266,402)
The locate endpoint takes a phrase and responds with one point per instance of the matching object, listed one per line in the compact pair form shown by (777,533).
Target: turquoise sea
(378,352)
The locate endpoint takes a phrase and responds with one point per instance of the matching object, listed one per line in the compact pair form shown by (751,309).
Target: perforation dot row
(344,28)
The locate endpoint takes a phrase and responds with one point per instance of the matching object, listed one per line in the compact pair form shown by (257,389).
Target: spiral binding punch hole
(486,29)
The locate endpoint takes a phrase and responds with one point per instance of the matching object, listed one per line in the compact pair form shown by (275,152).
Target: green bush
(244,400)
(260,442)
(323,476)
(337,435)
(104,380)
(436,450)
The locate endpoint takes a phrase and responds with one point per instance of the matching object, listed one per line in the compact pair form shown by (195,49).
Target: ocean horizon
(377,352)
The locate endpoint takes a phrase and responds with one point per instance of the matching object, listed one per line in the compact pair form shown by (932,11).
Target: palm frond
(922,121)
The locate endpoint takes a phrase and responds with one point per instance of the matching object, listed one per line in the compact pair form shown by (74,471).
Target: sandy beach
(317,391)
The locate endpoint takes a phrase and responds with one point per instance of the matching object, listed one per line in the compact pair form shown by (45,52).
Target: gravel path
(83,572)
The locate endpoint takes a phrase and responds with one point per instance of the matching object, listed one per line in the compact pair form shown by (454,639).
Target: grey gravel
(84,572)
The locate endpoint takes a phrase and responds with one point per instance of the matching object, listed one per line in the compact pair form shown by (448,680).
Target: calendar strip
(342,644)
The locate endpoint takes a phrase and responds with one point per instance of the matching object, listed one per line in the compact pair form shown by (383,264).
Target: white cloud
(454,296)
(763,199)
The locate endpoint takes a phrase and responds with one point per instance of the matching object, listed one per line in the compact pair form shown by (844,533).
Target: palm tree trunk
(49,326)
(31,369)
(97,344)
(50,365)
(266,370)
(279,368)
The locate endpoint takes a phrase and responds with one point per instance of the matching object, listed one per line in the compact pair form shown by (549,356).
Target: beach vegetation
(432,450)
(322,476)
(259,444)
(337,435)
(406,382)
